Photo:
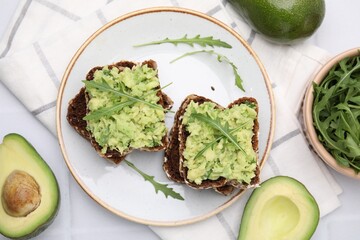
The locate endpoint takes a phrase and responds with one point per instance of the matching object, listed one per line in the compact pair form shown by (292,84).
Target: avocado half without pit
(30,194)
(281,208)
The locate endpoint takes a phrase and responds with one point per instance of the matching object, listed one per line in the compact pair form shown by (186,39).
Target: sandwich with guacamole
(121,108)
(212,147)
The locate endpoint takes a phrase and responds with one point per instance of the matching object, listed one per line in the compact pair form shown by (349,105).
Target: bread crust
(174,158)
(77,110)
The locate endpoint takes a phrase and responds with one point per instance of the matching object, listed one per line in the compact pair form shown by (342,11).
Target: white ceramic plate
(120,189)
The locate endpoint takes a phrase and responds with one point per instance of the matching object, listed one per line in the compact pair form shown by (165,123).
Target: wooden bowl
(308,118)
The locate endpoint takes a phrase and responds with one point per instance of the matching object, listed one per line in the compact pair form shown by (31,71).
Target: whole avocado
(282,21)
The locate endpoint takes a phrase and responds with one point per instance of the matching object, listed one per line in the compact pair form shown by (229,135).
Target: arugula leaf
(202,41)
(220,58)
(107,111)
(224,129)
(210,144)
(238,80)
(106,88)
(158,186)
(207,146)
(336,112)
(103,86)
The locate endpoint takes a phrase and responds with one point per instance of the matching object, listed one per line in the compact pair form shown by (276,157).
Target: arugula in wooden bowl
(332,113)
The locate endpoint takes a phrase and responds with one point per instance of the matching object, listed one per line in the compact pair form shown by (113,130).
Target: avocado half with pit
(281,208)
(30,193)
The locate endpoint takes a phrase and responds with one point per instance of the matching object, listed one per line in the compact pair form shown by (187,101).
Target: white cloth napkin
(44,34)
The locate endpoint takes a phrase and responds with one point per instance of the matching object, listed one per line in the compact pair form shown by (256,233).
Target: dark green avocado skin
(41,228)
(282,21)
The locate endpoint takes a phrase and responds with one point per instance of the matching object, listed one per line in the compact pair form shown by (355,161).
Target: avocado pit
(20,194)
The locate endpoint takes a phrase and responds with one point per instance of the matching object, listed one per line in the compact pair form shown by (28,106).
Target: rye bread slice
(77,110)
(173,160)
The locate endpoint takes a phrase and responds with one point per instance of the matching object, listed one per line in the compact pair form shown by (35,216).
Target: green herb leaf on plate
(158,186)
(220,58)
(202,41)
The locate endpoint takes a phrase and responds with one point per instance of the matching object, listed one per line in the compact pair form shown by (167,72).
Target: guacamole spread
(134,124)
(223,158)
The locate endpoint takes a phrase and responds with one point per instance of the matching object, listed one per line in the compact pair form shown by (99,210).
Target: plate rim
(80,51)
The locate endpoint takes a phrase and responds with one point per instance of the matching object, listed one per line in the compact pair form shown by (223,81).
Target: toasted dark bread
(77,110)
(173,160)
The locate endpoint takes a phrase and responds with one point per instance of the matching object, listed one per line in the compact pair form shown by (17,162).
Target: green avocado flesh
(281,208)
(222,159)
(30,194)
(135,125)
(282,21)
